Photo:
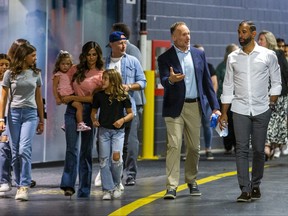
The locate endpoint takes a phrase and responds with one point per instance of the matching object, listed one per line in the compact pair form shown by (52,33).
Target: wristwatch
(272,105)
(129,86)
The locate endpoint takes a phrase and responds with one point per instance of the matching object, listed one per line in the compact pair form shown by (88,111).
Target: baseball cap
(116,36)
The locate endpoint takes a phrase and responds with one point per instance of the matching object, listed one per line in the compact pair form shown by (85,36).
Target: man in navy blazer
(188,87)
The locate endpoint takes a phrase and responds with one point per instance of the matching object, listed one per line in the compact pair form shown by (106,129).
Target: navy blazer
(174,95)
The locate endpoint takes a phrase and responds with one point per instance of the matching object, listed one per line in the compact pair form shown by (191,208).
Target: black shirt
(109,112)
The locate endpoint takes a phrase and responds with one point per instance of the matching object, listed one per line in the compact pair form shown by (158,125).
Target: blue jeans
(73,161)
(22,124)
(110,142)
(5,158)
(207,130)
(5,162)
(131,150)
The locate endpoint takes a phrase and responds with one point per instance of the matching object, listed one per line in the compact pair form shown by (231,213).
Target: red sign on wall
(158,47)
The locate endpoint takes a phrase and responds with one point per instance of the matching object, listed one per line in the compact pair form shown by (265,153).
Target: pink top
(92,81)
(64,85)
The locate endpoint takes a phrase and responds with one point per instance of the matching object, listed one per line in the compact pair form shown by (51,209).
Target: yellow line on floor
(129,208)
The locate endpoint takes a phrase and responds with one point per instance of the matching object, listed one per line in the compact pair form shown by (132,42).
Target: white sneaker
(106,195)
(22,194)
(121,187)
(2,194)
(82,127)
(285,150)
(277,152)
(98,182)
(5,187)
(117,192)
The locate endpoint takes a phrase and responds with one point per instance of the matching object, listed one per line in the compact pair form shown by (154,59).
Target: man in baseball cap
(133,77)
(116,36)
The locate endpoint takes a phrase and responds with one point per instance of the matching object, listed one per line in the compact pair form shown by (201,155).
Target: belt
(191,100)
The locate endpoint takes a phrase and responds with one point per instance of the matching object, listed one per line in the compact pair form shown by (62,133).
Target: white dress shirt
(246,82)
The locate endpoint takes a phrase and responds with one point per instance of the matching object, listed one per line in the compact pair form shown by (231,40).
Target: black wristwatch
(272,106)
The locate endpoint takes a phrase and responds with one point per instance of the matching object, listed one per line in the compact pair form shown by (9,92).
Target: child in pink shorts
(62,86)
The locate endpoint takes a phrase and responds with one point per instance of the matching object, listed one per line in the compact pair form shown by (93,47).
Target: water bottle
(224,132)
(214,120)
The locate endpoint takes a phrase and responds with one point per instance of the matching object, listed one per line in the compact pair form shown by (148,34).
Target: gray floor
(219,193)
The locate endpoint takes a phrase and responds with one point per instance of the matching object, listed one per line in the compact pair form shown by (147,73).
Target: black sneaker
(209,155)
(69,192)
(170,194)
(255,193)
(33,184)
(194,190)
(244,197)
(130,181)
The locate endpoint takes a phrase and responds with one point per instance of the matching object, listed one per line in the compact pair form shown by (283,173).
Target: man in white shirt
(251,86)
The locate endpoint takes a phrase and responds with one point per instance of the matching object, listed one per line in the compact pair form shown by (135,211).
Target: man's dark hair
(280,40)
(252,26)
(122,27)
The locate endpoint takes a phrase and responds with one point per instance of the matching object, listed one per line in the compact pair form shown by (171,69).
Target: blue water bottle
(214,120)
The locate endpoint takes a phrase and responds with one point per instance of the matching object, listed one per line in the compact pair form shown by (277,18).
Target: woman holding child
(87,79)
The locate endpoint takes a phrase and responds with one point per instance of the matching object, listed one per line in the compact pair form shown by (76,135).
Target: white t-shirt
(115,63)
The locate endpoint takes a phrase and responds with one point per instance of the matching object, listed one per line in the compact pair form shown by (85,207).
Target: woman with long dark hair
(22,83)
(87,79)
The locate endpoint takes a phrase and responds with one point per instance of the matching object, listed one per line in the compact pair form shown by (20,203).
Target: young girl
(22,82)
(5,150)
(62,86)
(11,52)
(111,101)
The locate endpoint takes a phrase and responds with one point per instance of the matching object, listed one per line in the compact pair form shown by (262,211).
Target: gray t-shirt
(22,88)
